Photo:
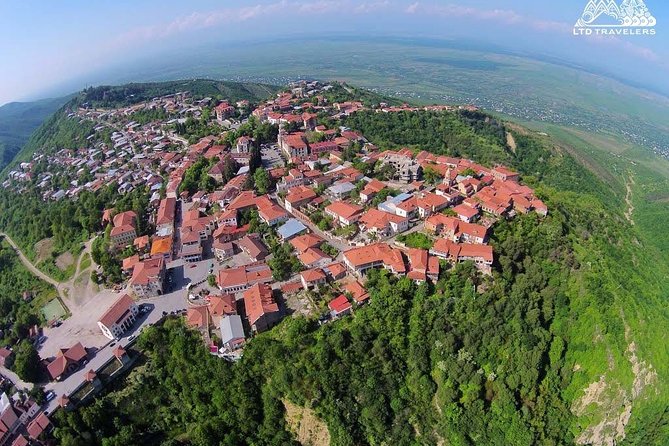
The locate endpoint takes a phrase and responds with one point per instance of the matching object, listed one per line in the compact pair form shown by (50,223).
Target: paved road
(14,378)
(169,303)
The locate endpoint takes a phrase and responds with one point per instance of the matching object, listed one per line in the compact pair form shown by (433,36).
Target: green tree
(27,362)
(262,181)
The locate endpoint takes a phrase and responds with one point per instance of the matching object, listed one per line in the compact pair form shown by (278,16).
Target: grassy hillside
(18,120)
(564,344)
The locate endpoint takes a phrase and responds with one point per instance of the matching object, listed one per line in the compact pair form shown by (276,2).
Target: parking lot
(271,156)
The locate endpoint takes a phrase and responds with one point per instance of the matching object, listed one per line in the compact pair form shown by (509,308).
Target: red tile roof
(306,241)
(344,210)
(198,317)
(117,311)
(258,301)
(340,304)
(222,305)
(380,252)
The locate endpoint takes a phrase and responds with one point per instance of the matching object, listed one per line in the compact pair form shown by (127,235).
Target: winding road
(65,289)
(33,269)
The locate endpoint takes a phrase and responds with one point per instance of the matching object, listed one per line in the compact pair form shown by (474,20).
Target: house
(314,257)
(40,424)
(262,311)
(165,217)
(162,247)
(191,245)
(232,332)
(312,278)
(494,201)
(253,247)
(481,255)
(223,111)
(323,147)
(66,361)
(223,250)
(9,420)
(244,144)
(344,213)
(148,277)
(270,212)
(505,174)
(339,306)
(340,191)
(198,317)
(293,145)
(457,230)
(335,271)
(403,205)
(306,241)
(357,292)
(119,317)
(222,305)
(291,229)
(382,223)
(235,280)
(141,244)
(380,255)
(124,229)
(18,441)
(295,178)
(228,218)
(243,201)
(429,203)
(371,190)
(298,197)
(466,213)
(226,234)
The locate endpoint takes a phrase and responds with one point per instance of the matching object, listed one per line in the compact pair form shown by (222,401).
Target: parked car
(131,338)
(50,395)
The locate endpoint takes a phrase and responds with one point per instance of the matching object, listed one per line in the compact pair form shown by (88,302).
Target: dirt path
(26,262)
(628,199)
(66,290)
(70,286)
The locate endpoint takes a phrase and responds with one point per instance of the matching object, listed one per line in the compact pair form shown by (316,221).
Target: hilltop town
(255,212)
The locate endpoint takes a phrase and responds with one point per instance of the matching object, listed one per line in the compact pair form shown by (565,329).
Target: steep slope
(18,120)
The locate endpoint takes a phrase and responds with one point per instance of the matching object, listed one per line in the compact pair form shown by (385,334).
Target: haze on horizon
(49,47)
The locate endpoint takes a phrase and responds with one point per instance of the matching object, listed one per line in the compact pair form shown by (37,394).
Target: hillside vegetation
(128,94)
(18,120)
(562,345)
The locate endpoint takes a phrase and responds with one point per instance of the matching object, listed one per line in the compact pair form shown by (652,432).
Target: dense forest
(499,360)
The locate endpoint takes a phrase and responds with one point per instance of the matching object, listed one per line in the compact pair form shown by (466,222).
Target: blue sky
(46,43)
